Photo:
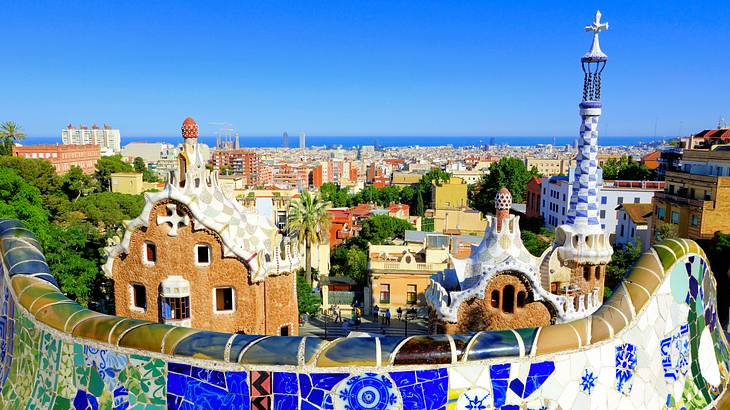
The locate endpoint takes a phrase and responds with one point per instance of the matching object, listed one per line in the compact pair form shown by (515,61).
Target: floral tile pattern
(673,354)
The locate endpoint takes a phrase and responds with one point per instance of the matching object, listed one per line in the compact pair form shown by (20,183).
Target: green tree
(74,261)
(10,134)
(307,301)
(420,207)
(22,201)
(508,172)
(380,229)
(625,168)
(76,183)
(106,166)
(327,191)
(666,231)
(308,218)
(139,165)
(622,261)
(535,243)
(357,265)
(107,210)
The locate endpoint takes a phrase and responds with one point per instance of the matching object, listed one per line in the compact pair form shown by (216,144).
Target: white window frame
(146,261)
(233,300)
(132,306)
(210,254)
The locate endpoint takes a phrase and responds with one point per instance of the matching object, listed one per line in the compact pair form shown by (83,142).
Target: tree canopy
(625,168)
(10,134)
(508,172)
(380,229)
(309,220)
(106,166)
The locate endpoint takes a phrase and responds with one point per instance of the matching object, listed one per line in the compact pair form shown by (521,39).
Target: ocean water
(385,141)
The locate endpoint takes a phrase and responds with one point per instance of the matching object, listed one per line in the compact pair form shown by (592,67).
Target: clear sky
(361,67)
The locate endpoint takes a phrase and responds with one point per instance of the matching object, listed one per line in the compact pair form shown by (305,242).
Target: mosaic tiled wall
(655,344)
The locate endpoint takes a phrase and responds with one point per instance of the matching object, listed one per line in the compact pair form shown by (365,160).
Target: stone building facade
(197,258)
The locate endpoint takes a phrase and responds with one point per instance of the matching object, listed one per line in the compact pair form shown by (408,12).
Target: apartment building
(62,157)
(696,198)
(108,138)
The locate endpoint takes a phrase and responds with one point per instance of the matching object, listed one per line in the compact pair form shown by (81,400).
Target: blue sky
(361,67)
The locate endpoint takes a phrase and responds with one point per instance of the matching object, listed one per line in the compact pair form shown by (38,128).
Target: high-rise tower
(285,140)
(582,245)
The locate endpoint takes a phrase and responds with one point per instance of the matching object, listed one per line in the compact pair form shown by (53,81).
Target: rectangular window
(603,213)
(661,213)
(622,230)
(412,295)
(224,299)
(675,217)
(139,296)
(284,331)
(636,200)
(202,254)
(620,200)
(150,252)
(384,293)
(695,220)
(176,308)
(708,196)
(604,200)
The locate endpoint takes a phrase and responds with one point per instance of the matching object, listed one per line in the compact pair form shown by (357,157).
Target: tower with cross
(581,244)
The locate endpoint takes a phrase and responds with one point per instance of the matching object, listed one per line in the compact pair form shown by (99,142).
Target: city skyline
(376,69)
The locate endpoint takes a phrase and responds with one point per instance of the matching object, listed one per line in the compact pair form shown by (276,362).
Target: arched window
(521,296)
(587,272)
(495,299)
(508,301)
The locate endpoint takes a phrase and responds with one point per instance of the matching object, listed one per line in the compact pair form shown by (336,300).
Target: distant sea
(385,141)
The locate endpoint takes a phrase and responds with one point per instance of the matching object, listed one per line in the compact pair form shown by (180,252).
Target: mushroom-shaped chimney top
(503,199)
(189,128)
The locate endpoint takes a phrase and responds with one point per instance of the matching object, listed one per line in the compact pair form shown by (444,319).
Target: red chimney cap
(189,128)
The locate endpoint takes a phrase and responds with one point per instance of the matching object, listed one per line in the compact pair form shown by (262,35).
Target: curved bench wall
(645,348)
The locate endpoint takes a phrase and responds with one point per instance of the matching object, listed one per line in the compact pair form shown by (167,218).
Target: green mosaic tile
(675,246)
(147,337)
(79,317)
(145,379)
(666,257)
(46,300)
(61,403)
(29,294)
(180,333)
(21,282)
(56,316)
(122,327)
(96,328)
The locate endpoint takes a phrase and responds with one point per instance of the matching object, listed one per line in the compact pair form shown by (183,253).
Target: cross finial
(596,27)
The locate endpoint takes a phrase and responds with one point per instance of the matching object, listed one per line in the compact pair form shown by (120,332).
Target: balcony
(402,266)
(682,199)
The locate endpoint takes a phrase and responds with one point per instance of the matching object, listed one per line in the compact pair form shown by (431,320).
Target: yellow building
(696,197)
(463,221)
(402,179)
(399,274)
(449,195)
(127,183)
(549,166)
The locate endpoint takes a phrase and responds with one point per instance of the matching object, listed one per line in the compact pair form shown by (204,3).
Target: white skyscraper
(302,141)
(109,139)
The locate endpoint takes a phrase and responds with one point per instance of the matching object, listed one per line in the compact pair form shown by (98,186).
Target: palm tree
(308,218)
(9,134)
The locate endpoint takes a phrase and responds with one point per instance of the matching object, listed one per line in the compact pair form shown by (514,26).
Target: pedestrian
(399,311)
(375,312)
(387,317)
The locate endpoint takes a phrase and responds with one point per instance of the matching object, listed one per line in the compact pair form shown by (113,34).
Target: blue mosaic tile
(286,383)
(237,382)
(500,378)
(210,345)
(366,391)
(492,344)
(286,402)
(588,381)
(403,378)
(240,342)
(327,381)
(412,397)
(539,373)
(435,392)
(625,366)
(180,368)
(276,350)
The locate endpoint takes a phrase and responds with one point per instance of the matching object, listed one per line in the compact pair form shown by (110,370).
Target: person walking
(387,317)
(399,311)
(375,312)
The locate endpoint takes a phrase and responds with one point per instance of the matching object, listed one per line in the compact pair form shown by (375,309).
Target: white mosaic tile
(708,363)
(568,396)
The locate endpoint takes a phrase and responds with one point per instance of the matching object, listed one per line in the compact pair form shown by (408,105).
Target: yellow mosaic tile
(177,334)
(639,295)
(121,327)
(96,328)
(615,318)
(45,300)
(148,337)
(56,315)
(622,301)
(19,283)
(557,338)
(645,278)
(649,261)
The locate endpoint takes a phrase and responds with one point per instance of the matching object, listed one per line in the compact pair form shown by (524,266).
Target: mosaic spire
(583,213)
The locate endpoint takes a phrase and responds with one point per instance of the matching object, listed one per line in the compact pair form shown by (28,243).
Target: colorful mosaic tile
(366,391)
(625,367)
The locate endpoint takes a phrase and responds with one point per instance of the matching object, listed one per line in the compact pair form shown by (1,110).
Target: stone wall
(655,343)
(253,314)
